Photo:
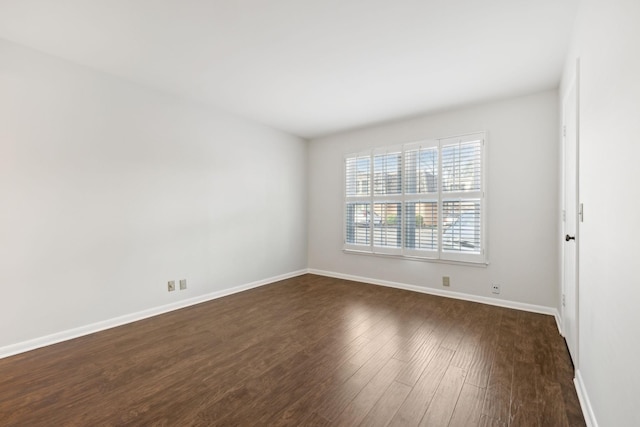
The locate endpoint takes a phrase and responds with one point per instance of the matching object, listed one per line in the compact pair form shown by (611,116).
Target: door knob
(567,237)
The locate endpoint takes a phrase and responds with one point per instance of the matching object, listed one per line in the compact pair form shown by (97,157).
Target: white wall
(607,40)
(523,201)
(108,190)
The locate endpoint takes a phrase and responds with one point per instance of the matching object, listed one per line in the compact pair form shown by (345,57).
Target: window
(423,200)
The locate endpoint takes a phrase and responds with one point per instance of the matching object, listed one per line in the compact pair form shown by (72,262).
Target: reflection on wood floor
(310,350)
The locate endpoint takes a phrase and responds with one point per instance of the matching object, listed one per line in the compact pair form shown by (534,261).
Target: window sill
(483,264)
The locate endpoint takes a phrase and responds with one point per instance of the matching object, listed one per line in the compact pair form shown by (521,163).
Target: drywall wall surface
(108,190)
(606,42)
(522,200)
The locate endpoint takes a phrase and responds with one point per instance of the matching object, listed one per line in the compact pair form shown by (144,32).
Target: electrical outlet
(171,286)
(446,281)
(183,284)
(495,288)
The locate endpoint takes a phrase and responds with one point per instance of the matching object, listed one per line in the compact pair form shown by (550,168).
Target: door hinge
(564,215)
(563,300)
(564,130)
(581,212)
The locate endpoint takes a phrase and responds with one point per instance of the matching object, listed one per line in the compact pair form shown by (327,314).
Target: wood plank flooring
(306,351)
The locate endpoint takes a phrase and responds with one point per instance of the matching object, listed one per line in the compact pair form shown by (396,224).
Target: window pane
(387,219)
(358,230)
(461,164)
(387,173)
(358,176)
(421,225)
(461,226)
(421,170)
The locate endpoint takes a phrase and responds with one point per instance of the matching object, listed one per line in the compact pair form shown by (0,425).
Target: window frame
(440,254)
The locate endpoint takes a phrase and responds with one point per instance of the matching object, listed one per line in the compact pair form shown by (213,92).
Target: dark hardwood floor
(305,351)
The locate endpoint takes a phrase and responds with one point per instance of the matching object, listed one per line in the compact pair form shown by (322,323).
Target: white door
(569,237)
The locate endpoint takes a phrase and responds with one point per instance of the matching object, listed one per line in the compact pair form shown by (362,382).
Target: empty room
(357,212)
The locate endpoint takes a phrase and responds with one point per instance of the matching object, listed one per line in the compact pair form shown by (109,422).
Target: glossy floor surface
(305,351)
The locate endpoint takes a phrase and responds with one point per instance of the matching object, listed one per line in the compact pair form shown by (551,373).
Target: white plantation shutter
(387,173)
(357,201)
(461,237)
(387,227)
(421,228)
(422,200)
(462,198)
(386,221)
(461,165)
(358,176)
(421,167)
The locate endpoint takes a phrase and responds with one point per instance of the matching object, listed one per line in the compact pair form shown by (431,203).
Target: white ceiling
(309,67)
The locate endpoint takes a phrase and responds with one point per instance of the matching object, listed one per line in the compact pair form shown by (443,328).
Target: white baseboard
(558,322)
(69,334)
(585,403)
(450,294)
